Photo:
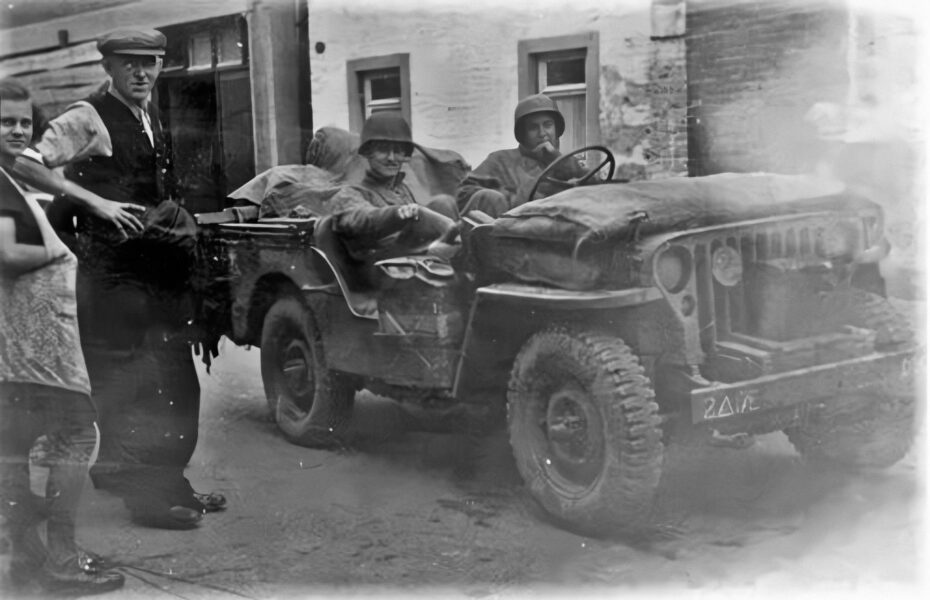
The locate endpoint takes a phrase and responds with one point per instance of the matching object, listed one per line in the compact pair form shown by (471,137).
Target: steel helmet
(388,126)
(537,103)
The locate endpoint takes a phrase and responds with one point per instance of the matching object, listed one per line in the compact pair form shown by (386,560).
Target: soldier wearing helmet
(379,217)
(505,178)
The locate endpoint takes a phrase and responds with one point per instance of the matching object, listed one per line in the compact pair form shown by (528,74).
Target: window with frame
(207,45)
(378,84)
(565,68)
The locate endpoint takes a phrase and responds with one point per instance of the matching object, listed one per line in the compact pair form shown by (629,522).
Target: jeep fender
(257,290)
(503,315)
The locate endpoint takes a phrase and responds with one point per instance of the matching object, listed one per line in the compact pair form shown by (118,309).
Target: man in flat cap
(132,298)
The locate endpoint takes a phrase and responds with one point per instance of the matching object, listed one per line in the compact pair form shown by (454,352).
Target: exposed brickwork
(667,137)
(624,120)
(754,69)
(643,122)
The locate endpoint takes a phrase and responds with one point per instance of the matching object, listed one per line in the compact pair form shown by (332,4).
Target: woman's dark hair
(11,89)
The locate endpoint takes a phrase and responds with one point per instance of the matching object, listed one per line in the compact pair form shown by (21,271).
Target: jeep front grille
(780,259)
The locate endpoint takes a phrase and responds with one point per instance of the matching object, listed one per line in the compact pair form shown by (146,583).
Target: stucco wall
(463,67)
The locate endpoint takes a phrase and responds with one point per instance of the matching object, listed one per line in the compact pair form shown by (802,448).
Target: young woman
(44,387)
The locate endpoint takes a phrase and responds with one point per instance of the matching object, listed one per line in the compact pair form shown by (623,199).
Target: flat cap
(146,42)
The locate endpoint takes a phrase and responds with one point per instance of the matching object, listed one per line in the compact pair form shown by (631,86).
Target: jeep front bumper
(789,391)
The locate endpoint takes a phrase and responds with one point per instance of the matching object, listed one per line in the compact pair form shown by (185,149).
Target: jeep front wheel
(584,430)
(869,428)
(311,404)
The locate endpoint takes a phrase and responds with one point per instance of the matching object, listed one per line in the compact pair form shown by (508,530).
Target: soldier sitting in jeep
(379,217)
(509,178)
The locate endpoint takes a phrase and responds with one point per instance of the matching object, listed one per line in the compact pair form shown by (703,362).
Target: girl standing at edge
(44,387)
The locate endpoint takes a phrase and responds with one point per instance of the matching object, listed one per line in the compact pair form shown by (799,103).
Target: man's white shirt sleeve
(76,134)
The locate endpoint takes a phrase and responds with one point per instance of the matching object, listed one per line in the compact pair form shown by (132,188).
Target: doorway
(205,98)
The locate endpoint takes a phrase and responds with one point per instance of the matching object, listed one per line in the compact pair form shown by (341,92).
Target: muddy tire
(871,428)
(311,404)
(584,430)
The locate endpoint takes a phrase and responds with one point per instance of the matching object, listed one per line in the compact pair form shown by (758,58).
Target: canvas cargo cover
(290,191)
(333,162)
(612,211)
(579,239)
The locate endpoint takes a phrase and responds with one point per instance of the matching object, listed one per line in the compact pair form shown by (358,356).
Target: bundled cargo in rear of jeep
(600,320)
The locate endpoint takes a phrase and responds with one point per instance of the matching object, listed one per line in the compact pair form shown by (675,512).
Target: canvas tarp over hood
(333,162)
(610,211)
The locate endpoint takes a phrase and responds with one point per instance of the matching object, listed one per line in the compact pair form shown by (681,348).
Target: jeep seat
(357,280)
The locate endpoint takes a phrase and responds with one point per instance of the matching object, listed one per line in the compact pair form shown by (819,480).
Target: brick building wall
(831,88)
(755,68)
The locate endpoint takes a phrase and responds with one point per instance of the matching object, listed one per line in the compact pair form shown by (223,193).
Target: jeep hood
(622,210)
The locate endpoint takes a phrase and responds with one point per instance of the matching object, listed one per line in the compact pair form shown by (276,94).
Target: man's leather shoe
(212,502)
(176,517)
(76,581)
(90,562)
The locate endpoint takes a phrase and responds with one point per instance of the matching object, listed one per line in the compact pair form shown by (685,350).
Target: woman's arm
(16,259)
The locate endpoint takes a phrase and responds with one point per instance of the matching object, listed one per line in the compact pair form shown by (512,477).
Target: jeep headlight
(727,266)
(673,268)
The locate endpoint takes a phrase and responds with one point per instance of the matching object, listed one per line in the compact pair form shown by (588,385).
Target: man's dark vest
(130,285)
(136,172)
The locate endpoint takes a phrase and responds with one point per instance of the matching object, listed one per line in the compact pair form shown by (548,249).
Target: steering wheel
(575,182)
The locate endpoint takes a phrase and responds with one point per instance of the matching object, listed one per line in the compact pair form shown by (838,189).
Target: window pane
(228,45)
(377,84)
(384,84)
(201,50)
(175,54)
(572,108)
(561,71)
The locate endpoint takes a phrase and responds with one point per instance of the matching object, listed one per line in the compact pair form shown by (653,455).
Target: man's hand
(408,212)
(121,214)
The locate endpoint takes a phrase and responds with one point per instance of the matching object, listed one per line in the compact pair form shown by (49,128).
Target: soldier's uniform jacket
(513,172)
(366,213)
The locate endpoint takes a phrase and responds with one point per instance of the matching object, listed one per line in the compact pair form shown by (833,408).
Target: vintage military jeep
(597,320)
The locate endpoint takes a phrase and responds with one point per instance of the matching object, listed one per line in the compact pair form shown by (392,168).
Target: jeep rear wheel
(311,404)
(871,428)
(584,430)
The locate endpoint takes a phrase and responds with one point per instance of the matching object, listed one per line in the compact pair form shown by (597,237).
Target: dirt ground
(429,515)
(413,514)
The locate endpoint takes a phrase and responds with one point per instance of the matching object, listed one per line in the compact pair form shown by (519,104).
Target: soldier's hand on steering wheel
(546,177)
